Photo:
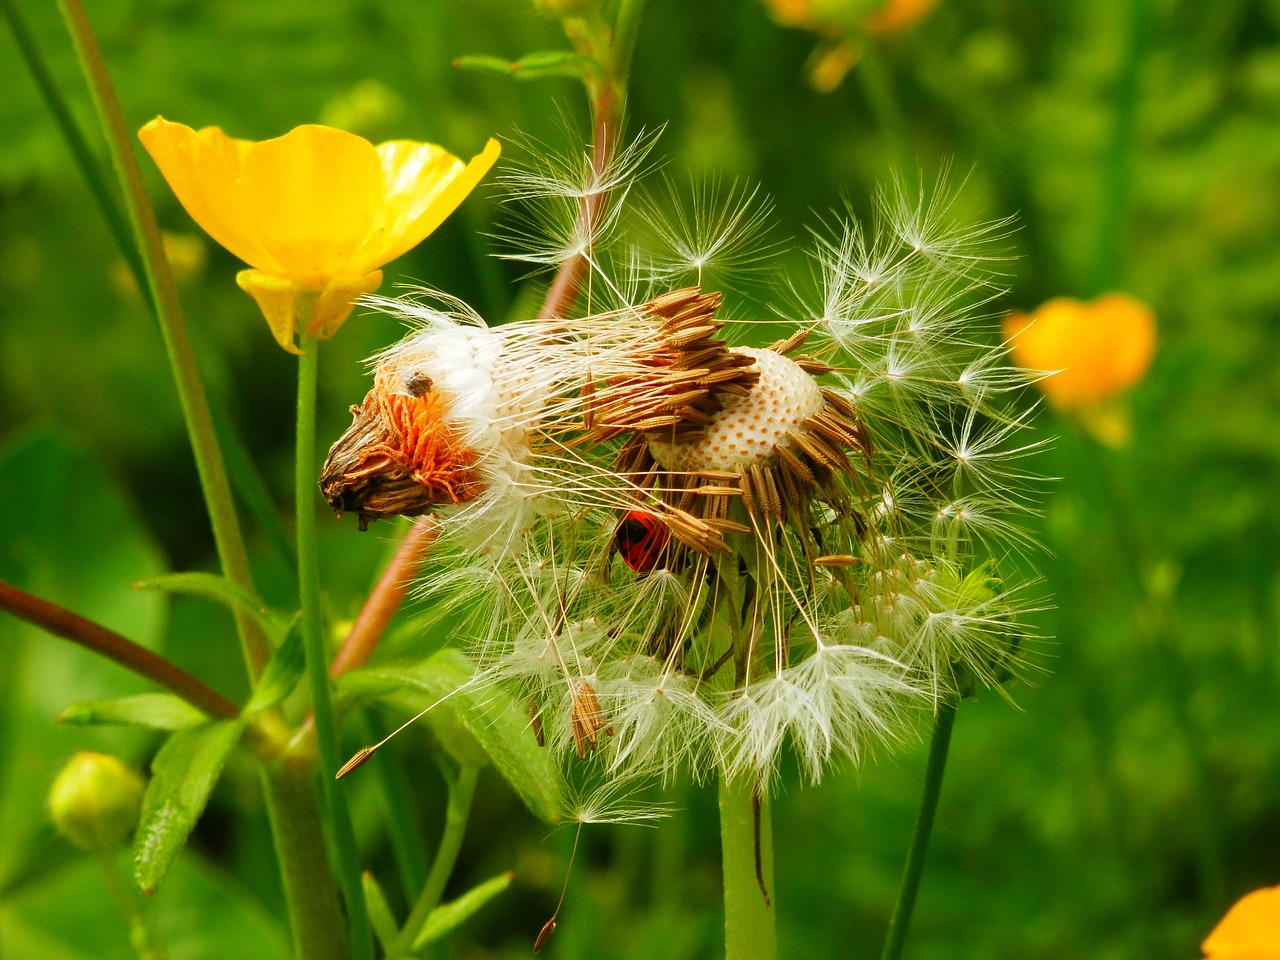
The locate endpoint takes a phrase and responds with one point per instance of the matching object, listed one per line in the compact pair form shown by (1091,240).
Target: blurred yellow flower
(842,24)
(898,15)
(841,17)
(315,212)
(1090,352)
(1097,349)
(1249,931)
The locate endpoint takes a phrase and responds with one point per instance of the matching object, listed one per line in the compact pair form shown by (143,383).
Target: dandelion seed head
(826,521)
(749,429)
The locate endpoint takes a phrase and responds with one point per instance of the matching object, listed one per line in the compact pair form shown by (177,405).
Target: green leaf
(155,711)
(183,774)
(383,921)
(221,590)
(484,64)
(447,917)
(553,63)
(534,66)
(281,675)
(499,725)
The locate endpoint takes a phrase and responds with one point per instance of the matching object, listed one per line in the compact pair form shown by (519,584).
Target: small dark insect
(641,540)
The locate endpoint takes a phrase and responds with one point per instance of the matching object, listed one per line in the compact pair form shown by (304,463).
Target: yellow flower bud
(95,801)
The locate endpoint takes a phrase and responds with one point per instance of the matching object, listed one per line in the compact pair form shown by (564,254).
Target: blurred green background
(1129,796)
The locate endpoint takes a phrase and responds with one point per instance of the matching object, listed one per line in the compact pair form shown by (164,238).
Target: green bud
(95,801)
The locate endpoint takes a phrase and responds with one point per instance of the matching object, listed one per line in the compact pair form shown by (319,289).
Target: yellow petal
(337,300)
(1094,350)
(203,170)
(423,184)
(311,198)
(1249,931)
(278,300)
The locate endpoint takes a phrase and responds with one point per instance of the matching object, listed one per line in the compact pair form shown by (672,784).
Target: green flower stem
(408,845)
(939,744)
(80,152)
(462,788)
(107,643)
(141,937)
(291,802)
(877,86)
(746,852)
(1118,161)
(346,853)
(1173,672)
(625,29)
(316,917)
(195,405)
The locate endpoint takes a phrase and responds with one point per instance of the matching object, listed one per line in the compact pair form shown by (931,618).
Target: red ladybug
(641,540)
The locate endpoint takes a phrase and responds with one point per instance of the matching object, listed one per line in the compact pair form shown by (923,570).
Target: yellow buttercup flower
(315,212)
(1249,931)
(1090,352)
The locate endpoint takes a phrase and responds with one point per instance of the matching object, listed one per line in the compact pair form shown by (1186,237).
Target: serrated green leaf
(488,713)
(381,918)
(155,711)
(223,591)
(447,917)
(182,775)
(281,675)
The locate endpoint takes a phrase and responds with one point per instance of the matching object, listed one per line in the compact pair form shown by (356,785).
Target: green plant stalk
(1172,675)
(141,937)
(195,406)
(79,147)
(462,788)
(408,845)
(750,921)
(295,818)
(626,27)
(939,744)
(1118,161)
(346,854)
(1204,802)
(877,86)
(315,906)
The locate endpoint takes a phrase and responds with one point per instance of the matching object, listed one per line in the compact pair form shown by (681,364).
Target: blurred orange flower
(315,212)
(841,24)
(1089,354)
(844,16)
(1249,931)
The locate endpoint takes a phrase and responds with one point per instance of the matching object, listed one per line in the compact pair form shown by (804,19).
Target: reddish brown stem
(70,626)
(606,114)
(385,599)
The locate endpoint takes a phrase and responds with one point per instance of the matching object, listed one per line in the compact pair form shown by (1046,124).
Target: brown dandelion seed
(399,457)
(588,720)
